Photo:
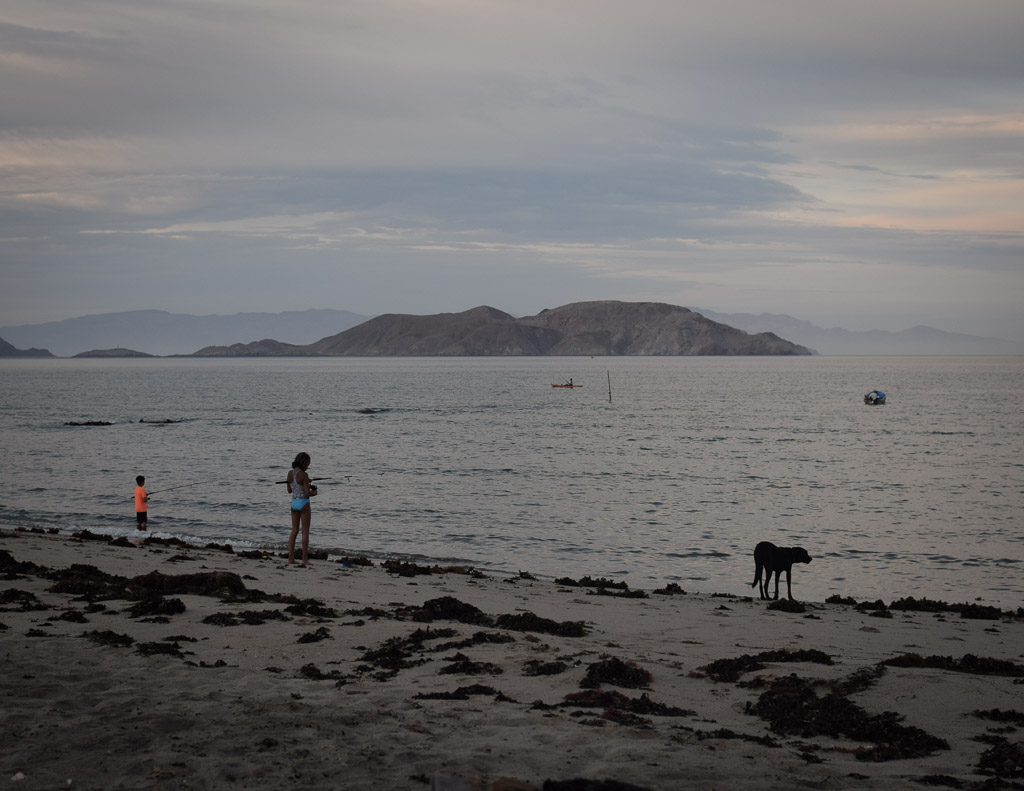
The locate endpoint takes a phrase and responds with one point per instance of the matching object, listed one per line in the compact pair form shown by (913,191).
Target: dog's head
(800,555)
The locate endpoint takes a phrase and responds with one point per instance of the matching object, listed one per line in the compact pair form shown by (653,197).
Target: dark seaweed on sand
(462,665)
(791,708)
(728,733)
(311,608)
(26,601)
(88,535)
(911,604)
(998,715)
(71,616)
(672,589)
(1004,759)
(785,605)
(580,784)
(969,663)
(465,693)
(397,653)
(611,699)
(614,671)
(156,605)
(405,569)
(621,594)
(89,582)
(12,568)
(478,638)
(166,649)
(315,637)
(247,617)
(313,673)
(528,622)
(165,542)
(536,667)
(108,637)
(732,669)
(589,582)
(446,608)
(224,585)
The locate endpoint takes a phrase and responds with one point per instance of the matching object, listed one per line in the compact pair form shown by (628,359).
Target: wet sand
(167,667)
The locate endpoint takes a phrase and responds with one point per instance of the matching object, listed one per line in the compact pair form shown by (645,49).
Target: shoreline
(346,675)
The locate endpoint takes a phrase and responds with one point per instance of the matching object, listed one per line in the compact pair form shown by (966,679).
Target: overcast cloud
(858,164)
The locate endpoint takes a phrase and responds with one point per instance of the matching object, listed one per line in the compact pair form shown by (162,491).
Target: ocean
(672,476)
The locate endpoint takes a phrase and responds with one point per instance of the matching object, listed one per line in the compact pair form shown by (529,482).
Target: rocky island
(604,328)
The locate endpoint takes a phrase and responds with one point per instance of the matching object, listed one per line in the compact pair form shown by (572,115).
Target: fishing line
(346,477)
(171,489)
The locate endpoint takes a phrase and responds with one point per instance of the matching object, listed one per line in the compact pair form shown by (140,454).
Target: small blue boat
(875,398)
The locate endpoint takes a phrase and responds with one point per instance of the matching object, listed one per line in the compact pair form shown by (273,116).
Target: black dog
(775,560)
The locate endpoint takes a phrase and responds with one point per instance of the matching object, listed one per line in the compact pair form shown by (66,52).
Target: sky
(854,163)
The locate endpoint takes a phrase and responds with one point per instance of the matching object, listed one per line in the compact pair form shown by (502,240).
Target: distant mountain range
(157,332)
(582,328)
(915,341)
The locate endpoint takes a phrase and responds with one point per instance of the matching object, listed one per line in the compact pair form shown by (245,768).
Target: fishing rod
(346,477)
(171,489)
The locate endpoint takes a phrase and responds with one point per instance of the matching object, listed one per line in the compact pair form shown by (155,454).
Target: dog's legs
(777,573)
(789,584)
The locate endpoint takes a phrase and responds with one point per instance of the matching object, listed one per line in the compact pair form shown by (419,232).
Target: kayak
(567,385)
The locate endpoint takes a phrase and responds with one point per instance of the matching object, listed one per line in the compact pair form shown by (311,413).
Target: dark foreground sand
(222,671)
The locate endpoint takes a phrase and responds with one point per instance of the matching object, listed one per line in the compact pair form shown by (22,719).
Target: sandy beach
(148,665)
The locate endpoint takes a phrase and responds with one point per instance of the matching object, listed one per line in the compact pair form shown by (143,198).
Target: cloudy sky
(856,163)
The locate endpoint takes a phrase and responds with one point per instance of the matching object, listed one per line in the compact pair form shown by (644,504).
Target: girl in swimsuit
(301,490)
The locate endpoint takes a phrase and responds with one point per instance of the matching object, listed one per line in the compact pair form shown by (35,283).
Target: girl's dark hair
(302,458)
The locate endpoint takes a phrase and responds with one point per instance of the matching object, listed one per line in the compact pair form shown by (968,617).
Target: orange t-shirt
(140,499)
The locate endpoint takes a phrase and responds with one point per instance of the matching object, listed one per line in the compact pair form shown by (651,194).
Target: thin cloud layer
(859,164)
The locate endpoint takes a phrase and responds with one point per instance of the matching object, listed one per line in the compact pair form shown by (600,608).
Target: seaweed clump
(583,784)
(397,653)
(732,669)
(446,608)
(911,604)
(615,671)
(247,617)
(463,693)
(156,605)
(528,622)
(969,663)
(791,707)
(1003,759)
(602,587)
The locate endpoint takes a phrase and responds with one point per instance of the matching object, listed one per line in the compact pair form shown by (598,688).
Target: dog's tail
(757,577)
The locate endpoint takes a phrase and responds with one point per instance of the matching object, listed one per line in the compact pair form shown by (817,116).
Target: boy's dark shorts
(140,517)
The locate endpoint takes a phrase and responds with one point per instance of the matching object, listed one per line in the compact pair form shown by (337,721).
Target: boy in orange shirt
(141,498)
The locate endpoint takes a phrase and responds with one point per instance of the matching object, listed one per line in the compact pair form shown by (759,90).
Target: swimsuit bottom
(298,503)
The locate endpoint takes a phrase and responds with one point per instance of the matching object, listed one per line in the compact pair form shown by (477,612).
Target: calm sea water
(480,461)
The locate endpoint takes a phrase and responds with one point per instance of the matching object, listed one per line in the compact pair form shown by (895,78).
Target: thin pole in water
(609,386)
